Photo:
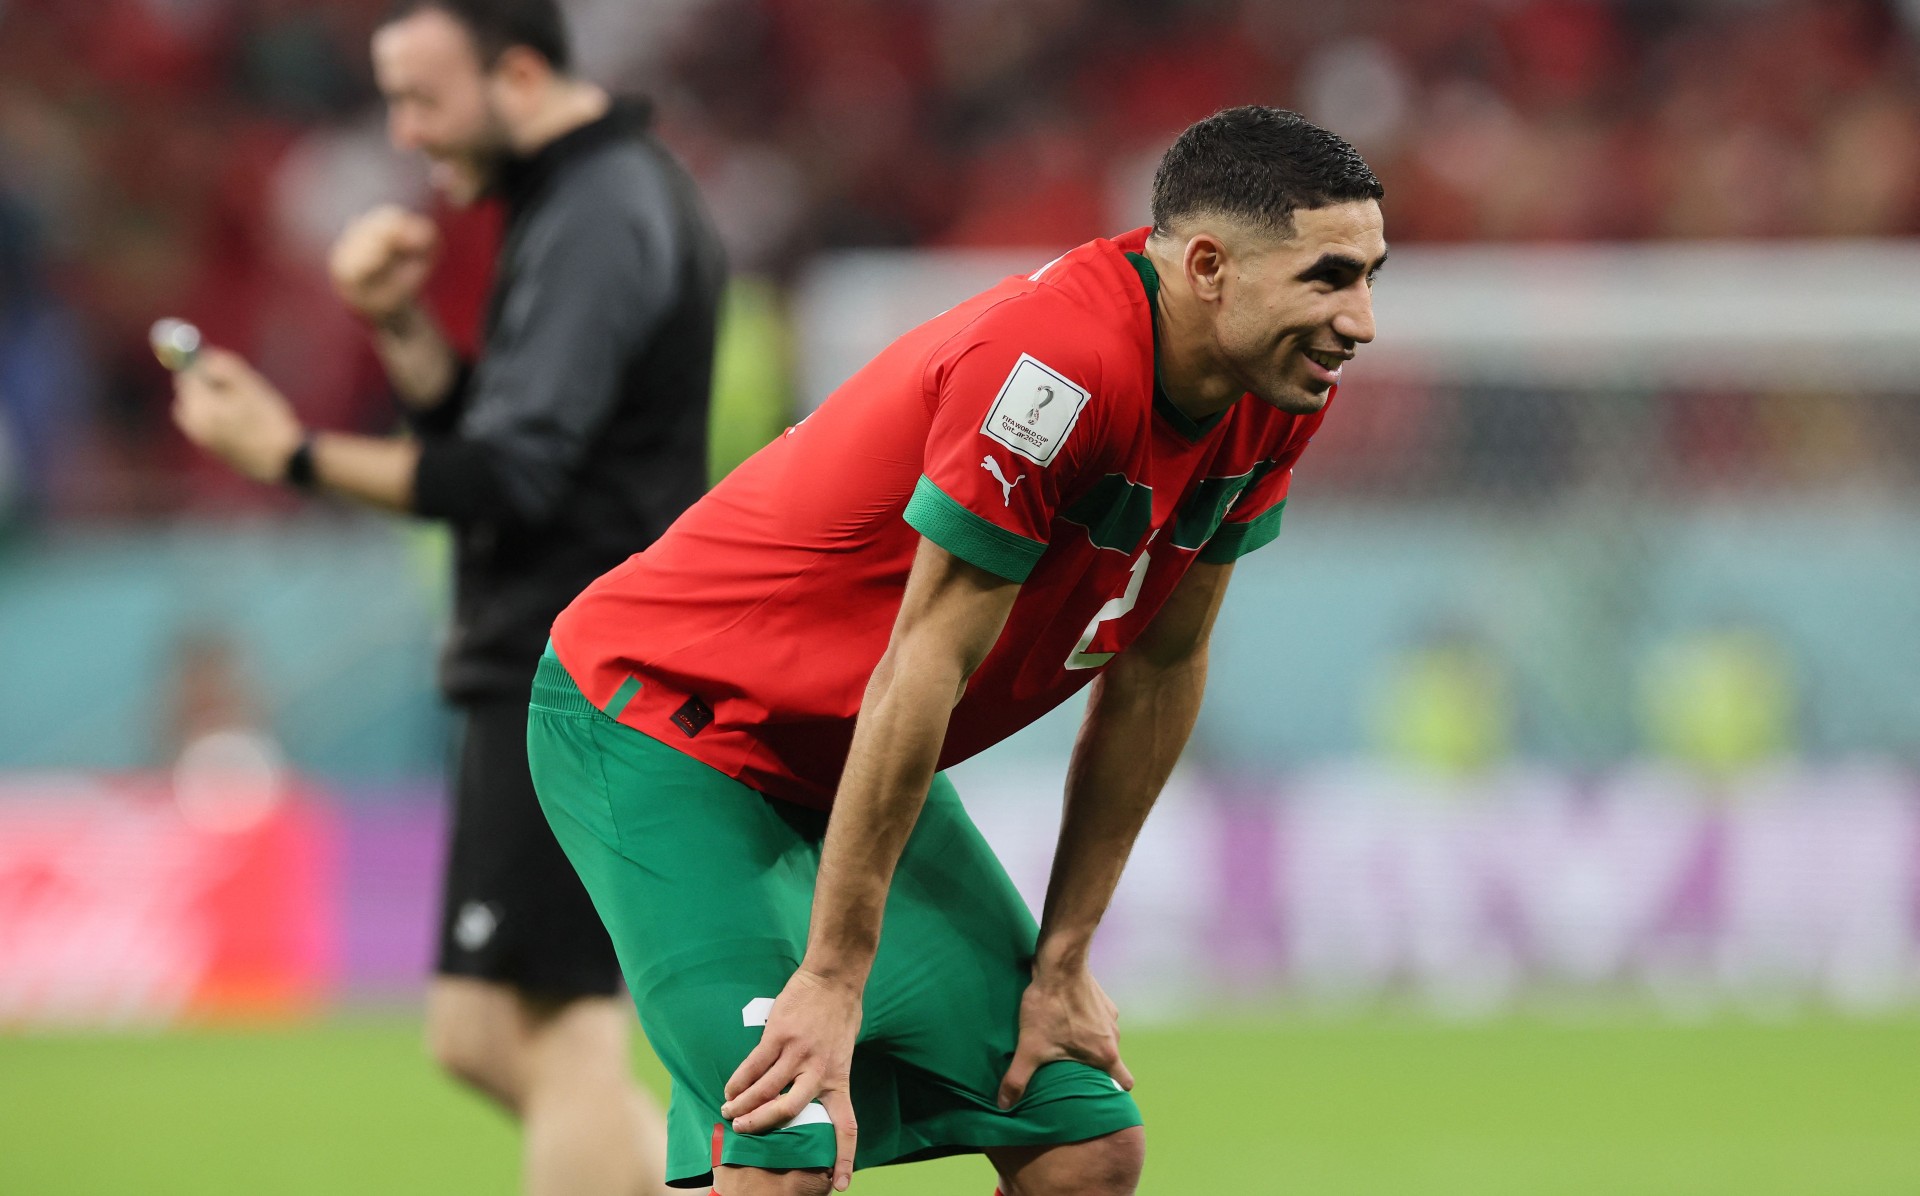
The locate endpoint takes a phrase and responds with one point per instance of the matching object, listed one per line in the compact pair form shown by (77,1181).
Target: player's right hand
(382,260)
(807,1050)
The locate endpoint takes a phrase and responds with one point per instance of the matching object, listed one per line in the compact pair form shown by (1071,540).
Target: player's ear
(522,68)
(1205,262)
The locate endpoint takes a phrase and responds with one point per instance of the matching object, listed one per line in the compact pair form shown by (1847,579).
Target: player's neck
(566,107)
(1195,380)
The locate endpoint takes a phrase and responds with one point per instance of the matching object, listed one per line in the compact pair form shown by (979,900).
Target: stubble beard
(476,166)
(1276,389)
(1292,399)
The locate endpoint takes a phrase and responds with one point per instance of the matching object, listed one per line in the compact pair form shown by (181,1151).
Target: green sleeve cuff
(936,515)
(1235,540)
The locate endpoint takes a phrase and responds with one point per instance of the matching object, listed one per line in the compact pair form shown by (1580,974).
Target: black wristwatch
(300,473)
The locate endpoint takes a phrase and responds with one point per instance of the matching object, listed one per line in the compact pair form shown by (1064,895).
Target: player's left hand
(1065,1014)
(226,407)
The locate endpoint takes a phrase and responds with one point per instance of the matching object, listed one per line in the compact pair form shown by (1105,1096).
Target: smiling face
(440,101)
(1287,314)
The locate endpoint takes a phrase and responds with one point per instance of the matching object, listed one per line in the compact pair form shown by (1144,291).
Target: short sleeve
(1012,426)
(1253,519)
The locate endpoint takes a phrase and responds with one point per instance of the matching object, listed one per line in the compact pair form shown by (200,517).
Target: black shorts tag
(693,717)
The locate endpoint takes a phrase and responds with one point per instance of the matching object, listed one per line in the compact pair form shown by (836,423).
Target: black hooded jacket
(580,431)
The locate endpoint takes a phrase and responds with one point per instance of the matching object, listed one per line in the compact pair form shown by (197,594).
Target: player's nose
(1354,321)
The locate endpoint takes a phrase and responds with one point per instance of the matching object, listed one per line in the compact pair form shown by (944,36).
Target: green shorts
(706,886)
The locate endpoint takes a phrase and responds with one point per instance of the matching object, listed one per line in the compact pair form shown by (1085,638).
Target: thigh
(513,911)
(705,886)
(955,949)
(943,1002)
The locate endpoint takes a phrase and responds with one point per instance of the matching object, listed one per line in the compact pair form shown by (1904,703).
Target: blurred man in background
(576,436)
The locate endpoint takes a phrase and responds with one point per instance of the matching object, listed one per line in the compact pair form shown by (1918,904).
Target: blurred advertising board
(1350,883)
(1327,887)
(150,899)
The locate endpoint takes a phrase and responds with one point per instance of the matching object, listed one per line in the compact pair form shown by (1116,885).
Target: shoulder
(1042,381)
(1037,324)
(1098,340)
(633,173)
(626,174)
(604,207)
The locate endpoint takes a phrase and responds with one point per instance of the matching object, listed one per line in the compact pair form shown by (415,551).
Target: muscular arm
(1142,710)
(949,618)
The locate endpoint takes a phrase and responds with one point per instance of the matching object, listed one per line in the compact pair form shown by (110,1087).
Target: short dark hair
(498,25)
(1259,165)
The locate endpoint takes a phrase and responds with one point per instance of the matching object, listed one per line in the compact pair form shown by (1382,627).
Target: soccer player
(574,439)
(737,733)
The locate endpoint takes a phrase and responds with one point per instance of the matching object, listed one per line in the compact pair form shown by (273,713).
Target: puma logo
(1006,488)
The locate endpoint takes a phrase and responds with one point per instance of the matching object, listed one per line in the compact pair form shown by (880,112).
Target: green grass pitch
(1620,1106)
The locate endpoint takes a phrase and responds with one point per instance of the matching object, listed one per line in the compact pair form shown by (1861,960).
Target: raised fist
(382,259)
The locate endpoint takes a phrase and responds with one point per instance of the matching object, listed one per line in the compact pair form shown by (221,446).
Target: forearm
(1137,723)
(949,618)
(896,747)
(420,362)
(374,470)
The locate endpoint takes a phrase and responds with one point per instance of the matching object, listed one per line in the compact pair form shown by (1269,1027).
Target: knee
(1109,1165)
(757,1181)
(1112,1163)
(464,1050)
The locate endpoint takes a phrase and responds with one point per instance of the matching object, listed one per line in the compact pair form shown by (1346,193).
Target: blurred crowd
(990,122)
(195,157)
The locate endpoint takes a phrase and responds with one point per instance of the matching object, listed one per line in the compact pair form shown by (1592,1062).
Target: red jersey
(1022,431)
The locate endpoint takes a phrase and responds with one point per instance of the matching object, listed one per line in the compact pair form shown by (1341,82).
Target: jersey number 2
(1114,609)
